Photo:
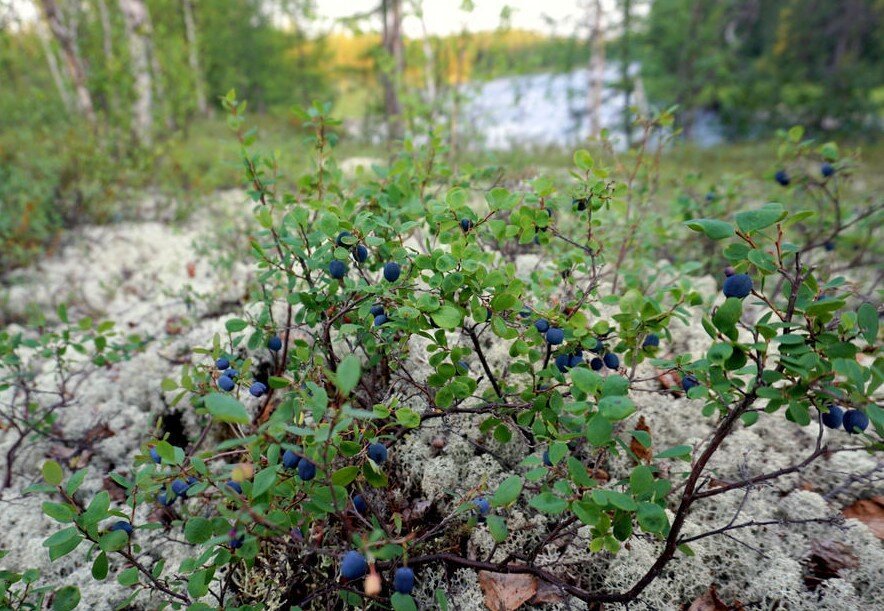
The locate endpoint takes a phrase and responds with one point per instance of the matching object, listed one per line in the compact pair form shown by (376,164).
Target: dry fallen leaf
(191,269)
(870,512)
(826,560)
(670,380)
(708,601)
(547,593)
(642,453)
(506,591)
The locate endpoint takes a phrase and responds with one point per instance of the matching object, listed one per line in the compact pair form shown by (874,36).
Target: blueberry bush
(387,304)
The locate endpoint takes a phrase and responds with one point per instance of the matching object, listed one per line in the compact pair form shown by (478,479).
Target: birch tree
(193,58)
(137,22)
(596,67)
(391,13)
(76,69)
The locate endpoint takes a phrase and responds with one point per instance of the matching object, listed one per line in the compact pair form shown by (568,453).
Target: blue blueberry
(546,459)
(651,341)
(827,169)
(488,314)
(380,319)
(353,565)
(463,366)
(611,360)
(855,421)
(306,470)
(738,285)
(392,271)
(222,364)
(575,360)
(376,310)
(542,325)
(596,364)
(403,580)
(466,225)
(562,362)
(599,346)
(580,203)
(257,389)
(710,196)
(122,525)
(339,241)
(155,456)
(834,417)
(225,383)
(359,504)
(377,452)
(360,253)
(525,312)
(689,381)
(192,481)
(234,486)
(164,499)
(829,245)
(275,343)
(482,505)
(233,540)
(782,177)
(337,269)
(290,460)
(231,373)
(555,336)
(179,487)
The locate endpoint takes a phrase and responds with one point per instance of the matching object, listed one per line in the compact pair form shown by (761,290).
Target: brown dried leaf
(505,591)
(641,452)
(708,601)
(870,512)
(670,380)
(547,593)
(191,269)
(827,559)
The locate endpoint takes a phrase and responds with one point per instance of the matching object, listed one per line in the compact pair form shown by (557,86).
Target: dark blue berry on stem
(275,343)
(403,580)
(392,271)
(377,452)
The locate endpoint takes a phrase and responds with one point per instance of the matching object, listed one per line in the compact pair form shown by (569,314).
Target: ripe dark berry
(179,487)
(233,541)
(466,225)
(782,178)
(612,361)
(155,456)
(222,364)
(482,505)
(353,565)
(651,341)
(380,319)
(340,239)
(596,364)
(275,343)
(234,486)
(855,421)
(555,336)
(376,310)
(164,499)
(562,362)
(834,417)
(541,325)
(360,253)
(359,504)
(829,245)
(306,470)
(546,459)
(377,452)
(391,271)
(599,346)
(403,580)
(231,373)
(575,360)
(525,312)
(827,169)
(257,389)
(337,269)
(122,525)
(225,383)
(580,203)
(738,285)
(689,381)
(710,196)
(192,481)
(290,460)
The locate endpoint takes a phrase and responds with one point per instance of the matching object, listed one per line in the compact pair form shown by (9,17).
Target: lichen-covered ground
(164,283)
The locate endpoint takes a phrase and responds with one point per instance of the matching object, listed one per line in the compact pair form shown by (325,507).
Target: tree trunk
(193,58)
(138,32)
(391,11)
(596,68)
(626,80)
(74,63)
(57,77)
(107,45)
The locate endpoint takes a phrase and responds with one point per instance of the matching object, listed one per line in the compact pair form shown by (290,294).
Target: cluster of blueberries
(853,420)
(782,177)
(736,285)
(227,379)
(180,487)
(337,269)
(354,566)
(555,336)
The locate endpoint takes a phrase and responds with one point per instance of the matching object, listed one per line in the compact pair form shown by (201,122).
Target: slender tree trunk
(596,68)
(193,58)
(626,80)
(107,45)
(391,11)
(73,61)
(54,70)
(138,32)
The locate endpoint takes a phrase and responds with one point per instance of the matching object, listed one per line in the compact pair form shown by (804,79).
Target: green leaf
(867,319)
(616,408)
(62,536)
(66,598)
(348,374)
(651,517)
(755,220)
(447,317)
(128,577)
(598,430)
(99,567)
(409,418)
(402,602)
(583,160)
(507,492)
(197,530)
(235,325)
(264,480)
(113,540)
(713,228)
(683,452)
(58,512)
(345,475)
(497,528)
(728,314)
(586,380)
(547,502)
(75,481)
(52,472)
(225,408)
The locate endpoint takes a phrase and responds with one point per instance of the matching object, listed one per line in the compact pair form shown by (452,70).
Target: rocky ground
(166,284)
